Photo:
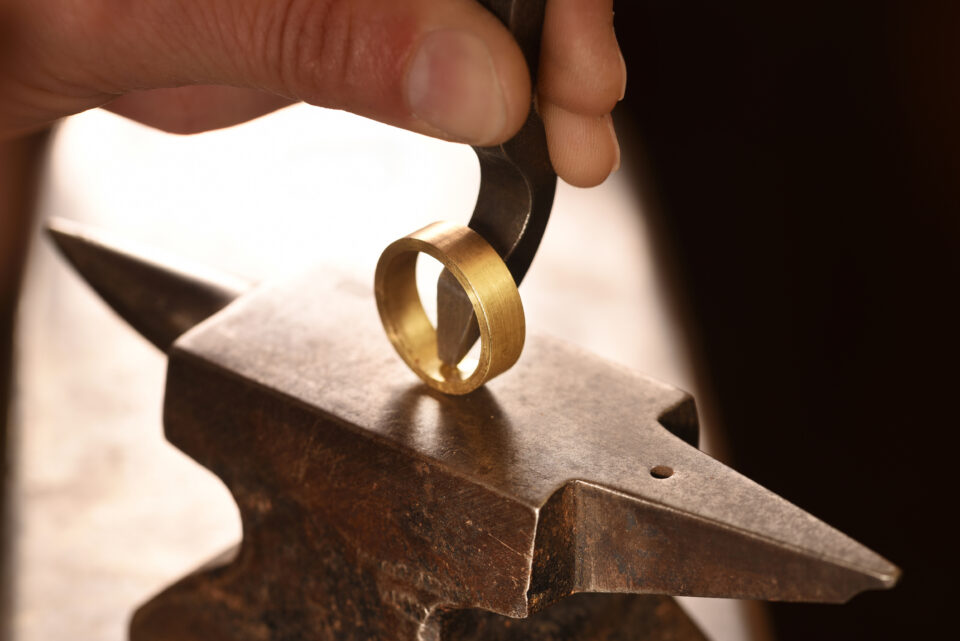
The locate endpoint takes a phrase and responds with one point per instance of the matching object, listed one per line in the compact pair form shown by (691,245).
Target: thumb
(445,68)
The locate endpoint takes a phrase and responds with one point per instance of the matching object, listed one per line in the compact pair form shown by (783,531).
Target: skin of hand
(445,68)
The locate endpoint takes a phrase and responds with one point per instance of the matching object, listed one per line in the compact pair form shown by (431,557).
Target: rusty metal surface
(218,604)
(517,186)
(597,617)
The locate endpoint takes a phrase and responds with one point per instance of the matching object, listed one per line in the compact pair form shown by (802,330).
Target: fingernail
(623,82)
(623,66)
(453,86)
(616,144)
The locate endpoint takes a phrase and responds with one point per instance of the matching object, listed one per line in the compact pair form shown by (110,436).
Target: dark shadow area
(802,167)
(20,168)
(581,617)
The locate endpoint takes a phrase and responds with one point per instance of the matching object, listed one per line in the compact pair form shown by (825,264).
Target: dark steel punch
(517,184)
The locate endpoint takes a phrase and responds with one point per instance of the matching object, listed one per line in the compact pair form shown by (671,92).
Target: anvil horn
(158,296)
(679,522)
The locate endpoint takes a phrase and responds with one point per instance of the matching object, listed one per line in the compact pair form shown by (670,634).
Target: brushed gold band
(488,283)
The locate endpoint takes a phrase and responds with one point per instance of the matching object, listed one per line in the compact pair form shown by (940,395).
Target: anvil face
(534,488)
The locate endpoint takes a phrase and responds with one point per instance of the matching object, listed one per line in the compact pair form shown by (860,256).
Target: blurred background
(783,241)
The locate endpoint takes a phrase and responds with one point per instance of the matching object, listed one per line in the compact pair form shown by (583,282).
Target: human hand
(445,68)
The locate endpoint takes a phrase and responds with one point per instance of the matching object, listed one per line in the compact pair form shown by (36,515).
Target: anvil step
(370,504)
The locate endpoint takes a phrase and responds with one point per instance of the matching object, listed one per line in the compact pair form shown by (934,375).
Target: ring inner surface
(413,327)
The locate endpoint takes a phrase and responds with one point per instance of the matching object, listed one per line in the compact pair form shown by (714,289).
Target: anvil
(558,502)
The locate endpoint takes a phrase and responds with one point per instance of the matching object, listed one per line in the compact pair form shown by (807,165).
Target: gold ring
(488,283)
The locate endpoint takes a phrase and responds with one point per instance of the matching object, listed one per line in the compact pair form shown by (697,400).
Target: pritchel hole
(661,472)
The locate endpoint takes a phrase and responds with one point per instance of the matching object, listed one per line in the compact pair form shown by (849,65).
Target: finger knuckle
(312,49)
(588,85)
(333,53)
(581,65)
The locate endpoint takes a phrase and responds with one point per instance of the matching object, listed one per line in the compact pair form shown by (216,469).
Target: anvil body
(561,501)
(373,508)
